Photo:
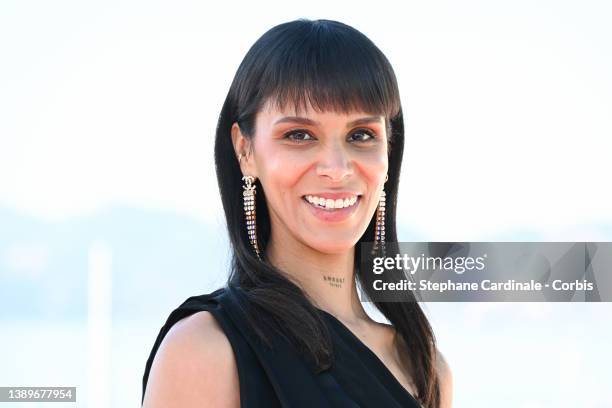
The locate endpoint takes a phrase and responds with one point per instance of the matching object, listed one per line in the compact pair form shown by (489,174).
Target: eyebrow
(306,121)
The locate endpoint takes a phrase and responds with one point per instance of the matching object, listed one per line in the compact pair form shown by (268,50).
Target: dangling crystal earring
(248,196)
(379,232)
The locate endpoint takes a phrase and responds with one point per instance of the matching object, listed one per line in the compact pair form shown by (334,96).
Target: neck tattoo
(333,281)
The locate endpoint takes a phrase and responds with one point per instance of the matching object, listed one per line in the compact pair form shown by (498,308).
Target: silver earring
(379,232)
(248,196)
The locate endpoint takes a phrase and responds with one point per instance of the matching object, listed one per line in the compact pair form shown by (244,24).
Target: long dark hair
(332,67)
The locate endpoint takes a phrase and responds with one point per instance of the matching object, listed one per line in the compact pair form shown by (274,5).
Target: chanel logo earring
(379,232)
(248,197)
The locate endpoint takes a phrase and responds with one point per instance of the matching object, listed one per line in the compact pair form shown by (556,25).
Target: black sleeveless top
(279,377)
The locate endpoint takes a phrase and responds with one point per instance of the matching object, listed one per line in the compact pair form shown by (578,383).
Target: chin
(333,248)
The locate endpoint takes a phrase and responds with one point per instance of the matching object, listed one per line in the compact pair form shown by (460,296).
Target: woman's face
(322,173)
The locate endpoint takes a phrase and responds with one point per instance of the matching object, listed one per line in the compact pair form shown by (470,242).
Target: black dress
(280,377)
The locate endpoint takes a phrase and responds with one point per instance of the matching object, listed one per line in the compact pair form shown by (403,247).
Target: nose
(334,162)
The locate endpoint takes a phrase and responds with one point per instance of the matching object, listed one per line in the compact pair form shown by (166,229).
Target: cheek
(373,168)
(282,168)
(279,172)
(373,165)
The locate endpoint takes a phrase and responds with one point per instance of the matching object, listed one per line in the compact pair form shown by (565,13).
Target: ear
(242,145)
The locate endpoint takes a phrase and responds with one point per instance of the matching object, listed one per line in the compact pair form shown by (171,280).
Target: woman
(308,153)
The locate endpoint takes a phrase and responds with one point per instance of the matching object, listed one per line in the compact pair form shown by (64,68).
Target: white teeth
(331,204)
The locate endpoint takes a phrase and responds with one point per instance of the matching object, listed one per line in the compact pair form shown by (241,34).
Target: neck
(328,279)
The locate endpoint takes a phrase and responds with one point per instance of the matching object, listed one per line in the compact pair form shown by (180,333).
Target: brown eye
(364,135)
(298,135)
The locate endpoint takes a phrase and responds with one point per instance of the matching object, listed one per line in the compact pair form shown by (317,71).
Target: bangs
(328,66)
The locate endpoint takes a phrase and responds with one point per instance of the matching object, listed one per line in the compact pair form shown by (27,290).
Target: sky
(507,107)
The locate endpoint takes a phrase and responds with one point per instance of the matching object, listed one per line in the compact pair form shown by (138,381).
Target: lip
(334,195)
(335,215)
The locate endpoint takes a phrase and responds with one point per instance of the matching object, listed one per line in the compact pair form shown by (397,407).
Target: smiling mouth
(330,204)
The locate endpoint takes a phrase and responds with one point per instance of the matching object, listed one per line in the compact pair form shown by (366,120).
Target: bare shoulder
(446,381)
(194,367)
